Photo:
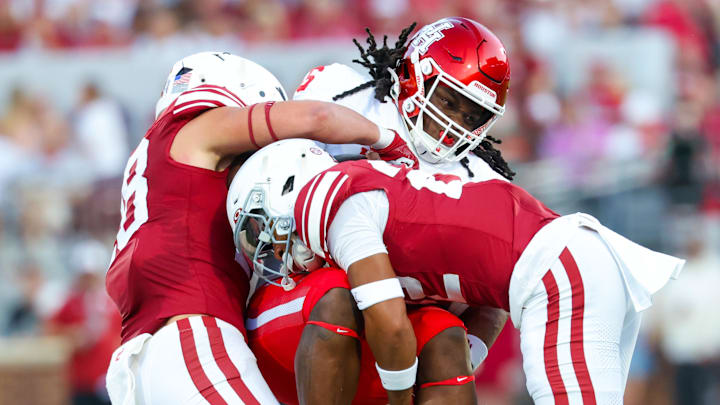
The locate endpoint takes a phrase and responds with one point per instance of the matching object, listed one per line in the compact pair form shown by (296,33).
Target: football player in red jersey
(304,327)
(442,92)
(573,287)
(308,343)
(173,277)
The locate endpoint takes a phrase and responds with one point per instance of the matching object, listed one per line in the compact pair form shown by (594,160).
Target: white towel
(120,378)
(644,271)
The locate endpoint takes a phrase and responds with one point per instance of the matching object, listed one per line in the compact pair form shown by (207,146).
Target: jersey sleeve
(196,100)
(357,230)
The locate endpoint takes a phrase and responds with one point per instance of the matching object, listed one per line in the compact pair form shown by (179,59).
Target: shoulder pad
(325,82)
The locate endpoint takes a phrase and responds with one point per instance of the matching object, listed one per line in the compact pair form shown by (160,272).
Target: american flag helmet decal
(182,78)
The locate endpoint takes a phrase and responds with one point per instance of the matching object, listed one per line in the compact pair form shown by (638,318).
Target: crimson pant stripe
(197,374)
(217,345)
(551,337)
(576,328)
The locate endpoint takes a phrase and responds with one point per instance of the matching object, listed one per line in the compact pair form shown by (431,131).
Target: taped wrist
(398,380)
(387,136)
(478,351)
(369,294)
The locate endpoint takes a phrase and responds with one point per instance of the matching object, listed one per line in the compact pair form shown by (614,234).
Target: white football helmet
(260,205)
(246,79)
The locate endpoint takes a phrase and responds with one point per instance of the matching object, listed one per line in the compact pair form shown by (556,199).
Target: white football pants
(197,360)
(579,328)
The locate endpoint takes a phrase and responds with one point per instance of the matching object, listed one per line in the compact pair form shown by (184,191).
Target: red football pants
(276,319)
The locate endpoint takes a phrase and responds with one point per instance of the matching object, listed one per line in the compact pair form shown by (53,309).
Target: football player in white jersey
(442,93)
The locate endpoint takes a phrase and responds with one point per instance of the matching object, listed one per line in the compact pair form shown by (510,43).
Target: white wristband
(385,139)
(478,351)
(369,294)
(398,380)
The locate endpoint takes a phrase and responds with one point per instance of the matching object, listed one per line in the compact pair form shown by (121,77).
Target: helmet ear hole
(426,67)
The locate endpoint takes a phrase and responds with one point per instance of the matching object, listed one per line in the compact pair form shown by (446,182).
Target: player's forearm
(388,330)
(393,344)
(333,123)
(235,130)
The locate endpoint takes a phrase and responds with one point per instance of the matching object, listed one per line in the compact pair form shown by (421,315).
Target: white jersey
(324,82)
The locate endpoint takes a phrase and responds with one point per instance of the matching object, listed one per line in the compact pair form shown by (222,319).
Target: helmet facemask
(260,205)
(454,140)
(258,233)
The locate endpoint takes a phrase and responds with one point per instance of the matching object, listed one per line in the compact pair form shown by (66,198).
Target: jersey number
(308,78)
(134,195)
(445,184)
(414,289)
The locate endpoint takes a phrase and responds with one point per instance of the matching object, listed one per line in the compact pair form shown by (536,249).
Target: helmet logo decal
(236,215)
(316,151)
(429,35)
(182,78)
(482,91)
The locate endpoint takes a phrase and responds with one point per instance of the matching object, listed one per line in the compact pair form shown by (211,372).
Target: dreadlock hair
(386,58)
(487,152)
(382,60)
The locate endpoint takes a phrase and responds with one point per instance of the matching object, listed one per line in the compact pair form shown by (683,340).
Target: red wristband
(268,106)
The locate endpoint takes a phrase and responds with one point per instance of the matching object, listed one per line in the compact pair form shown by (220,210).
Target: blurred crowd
(647,166)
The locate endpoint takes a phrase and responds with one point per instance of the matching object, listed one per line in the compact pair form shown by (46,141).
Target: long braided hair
(382,60)
(379,60)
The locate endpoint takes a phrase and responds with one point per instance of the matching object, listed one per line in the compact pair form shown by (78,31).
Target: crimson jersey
(446,239)
(174,252)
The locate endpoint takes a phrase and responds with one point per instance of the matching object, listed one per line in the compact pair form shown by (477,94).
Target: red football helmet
(463,56)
